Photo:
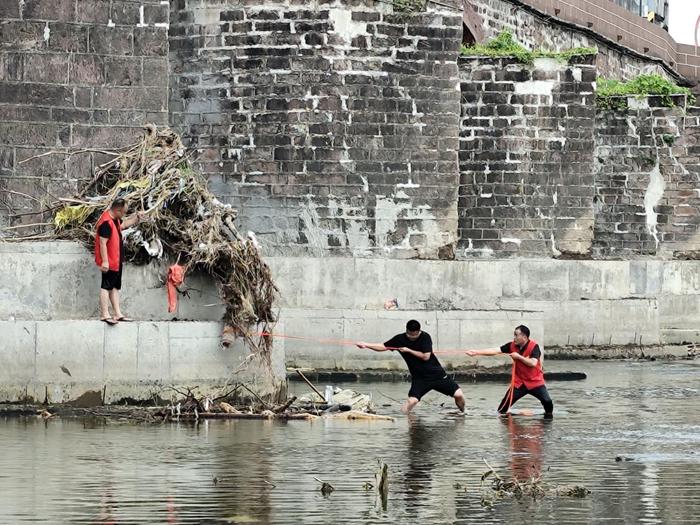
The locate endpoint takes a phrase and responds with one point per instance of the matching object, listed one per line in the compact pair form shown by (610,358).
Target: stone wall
(526,142)
(647,179)
(332,125)
(572,304)
(74,75)
(535,24)
(342,128)
(50,361)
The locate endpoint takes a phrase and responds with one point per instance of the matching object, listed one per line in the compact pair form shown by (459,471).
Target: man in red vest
(528,377)
(109,256)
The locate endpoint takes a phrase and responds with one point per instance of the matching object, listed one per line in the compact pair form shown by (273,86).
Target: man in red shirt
(528,377)
(109,257)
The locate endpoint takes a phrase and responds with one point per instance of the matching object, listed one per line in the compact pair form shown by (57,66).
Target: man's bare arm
(486,352)
(420,355)
(527,361)
(372,346)
(133,219)
(103,254)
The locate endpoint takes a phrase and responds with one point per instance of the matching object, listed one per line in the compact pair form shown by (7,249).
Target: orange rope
(344,342)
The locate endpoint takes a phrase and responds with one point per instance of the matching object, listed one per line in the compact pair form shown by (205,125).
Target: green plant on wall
(612,94)
(504,45)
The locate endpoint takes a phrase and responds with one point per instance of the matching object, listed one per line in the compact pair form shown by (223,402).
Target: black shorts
(420,387)
(112,280)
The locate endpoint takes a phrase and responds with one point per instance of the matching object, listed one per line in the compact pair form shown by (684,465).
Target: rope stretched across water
(349,342)
(345,342)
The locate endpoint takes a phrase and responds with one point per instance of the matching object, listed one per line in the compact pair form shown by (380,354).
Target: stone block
(121,348)
(75,345)
(589,280)
(47,68)
(63,10)
(94,12)
(150,41)
(153,362)
(544,280)
(18,351)
(87,70)
(24,293)
(196,352)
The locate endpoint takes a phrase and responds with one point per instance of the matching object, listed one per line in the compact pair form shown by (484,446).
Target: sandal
(125,319)
(109,321)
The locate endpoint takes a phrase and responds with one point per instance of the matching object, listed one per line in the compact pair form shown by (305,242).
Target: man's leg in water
(506,402)
(418,390)
(447,386)
(460,401)
(542,394)
(409,404)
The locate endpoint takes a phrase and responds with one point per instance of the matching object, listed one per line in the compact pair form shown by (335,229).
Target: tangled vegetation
(612,94)
(184,222)
(495,488)
(504,45)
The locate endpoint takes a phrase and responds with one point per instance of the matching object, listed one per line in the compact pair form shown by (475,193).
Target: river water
(72,471)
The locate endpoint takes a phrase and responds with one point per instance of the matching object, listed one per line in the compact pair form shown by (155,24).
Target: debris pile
(534,487)
(252,406)
(184,222)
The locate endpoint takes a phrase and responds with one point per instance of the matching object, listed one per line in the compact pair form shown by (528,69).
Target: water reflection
(526,440)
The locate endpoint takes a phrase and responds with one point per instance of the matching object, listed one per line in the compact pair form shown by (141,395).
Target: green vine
(612,94)
(504,45)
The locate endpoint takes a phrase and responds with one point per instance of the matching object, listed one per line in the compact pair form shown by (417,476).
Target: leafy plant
(504,45)
(611,94)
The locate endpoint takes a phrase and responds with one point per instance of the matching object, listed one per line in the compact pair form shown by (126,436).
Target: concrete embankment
(587,309)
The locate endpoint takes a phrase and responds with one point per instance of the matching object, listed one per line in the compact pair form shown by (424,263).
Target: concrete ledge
(62,361)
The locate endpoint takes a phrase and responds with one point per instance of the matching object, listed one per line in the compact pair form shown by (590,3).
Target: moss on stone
(504,45)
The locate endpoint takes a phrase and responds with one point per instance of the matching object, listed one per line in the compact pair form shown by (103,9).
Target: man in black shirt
(416,348)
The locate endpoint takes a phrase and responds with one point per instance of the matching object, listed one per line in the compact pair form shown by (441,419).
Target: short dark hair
(118,203)
(523,330)
(413,326)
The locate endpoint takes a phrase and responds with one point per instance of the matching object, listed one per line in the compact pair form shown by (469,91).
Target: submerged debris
(326,488)
(534,487)
(185,223)
(381,478)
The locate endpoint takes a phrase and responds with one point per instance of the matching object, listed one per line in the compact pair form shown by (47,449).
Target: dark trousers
(540,393)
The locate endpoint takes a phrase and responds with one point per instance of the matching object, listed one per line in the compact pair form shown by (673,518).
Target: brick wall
(335,127)
(332,125)
(619,25)
(535,30)
(74,75)
(526,142)
(647,180)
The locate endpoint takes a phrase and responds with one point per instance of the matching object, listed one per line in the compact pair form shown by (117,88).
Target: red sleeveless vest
(113,255)
(530,376)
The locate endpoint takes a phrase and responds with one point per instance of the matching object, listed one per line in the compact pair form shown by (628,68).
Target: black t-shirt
(429,370)
(105,231)
(536,353)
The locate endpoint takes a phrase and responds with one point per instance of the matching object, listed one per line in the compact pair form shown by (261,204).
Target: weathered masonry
(344,128)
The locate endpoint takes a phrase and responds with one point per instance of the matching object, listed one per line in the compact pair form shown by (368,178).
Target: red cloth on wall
(176,276)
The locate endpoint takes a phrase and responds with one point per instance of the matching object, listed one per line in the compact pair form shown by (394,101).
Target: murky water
(81,472)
